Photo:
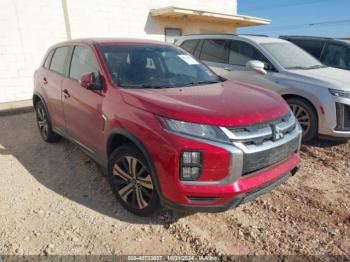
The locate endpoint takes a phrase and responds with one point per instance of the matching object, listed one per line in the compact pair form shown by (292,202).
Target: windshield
(291,56)
(154,66)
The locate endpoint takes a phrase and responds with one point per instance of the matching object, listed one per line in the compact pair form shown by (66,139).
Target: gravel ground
(55,200)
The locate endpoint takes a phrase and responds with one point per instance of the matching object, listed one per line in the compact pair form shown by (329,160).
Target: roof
(97,40)
(255,38)
(237,20)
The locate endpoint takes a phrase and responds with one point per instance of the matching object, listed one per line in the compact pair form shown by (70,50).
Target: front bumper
(234,201)
(329,121)
(223,183)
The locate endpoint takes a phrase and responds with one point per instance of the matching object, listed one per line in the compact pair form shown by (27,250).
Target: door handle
(228,69)
(66,93)
(45,81)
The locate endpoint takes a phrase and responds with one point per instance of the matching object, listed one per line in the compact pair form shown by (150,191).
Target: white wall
(28,28)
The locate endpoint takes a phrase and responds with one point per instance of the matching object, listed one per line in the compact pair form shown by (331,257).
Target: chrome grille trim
(259,134)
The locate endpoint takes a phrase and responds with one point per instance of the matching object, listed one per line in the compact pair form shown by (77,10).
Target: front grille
(266,144)
(259,133)
(262,159)
(343,117)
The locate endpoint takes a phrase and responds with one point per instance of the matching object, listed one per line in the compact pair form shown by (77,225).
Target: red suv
(166,128)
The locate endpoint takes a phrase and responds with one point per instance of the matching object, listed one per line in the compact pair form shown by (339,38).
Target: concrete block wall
(28,28)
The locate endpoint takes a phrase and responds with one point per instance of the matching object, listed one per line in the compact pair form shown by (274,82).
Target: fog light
(191,163)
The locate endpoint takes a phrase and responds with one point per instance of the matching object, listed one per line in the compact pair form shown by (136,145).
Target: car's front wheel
(307,117)
(132,181)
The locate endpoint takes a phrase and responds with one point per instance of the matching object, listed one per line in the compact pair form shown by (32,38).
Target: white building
(28,28)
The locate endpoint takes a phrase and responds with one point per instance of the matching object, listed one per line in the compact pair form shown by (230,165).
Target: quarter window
(215,50)
(59,59)
(48,59)
(83,61)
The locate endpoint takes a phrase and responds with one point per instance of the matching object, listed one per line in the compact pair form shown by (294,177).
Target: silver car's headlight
(197,130)
(339,93)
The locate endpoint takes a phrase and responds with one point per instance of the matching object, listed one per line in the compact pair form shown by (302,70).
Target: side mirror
(257,66)
(88,81)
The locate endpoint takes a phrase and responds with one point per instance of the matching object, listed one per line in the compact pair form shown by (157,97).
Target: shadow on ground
(66,170)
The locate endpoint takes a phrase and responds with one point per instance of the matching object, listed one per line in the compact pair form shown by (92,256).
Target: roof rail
(296,36)
(211,34)
(255,35)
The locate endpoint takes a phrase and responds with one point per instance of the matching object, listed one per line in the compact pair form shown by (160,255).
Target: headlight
(197,130)
(339,93)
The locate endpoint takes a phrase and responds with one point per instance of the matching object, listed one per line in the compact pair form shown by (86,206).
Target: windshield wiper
(317,66)
(298,67)
(200,83)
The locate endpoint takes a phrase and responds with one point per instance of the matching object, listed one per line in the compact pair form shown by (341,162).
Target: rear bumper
(233,202)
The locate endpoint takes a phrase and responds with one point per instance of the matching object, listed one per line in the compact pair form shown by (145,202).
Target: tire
(44,125)
(132,182)
(307,117)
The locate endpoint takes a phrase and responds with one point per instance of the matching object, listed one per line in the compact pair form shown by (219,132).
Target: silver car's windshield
(291,56)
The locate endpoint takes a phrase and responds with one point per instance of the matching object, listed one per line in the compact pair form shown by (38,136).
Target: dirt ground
(55,200)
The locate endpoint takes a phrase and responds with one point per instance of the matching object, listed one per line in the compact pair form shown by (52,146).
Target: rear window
(59,59)
(215,50)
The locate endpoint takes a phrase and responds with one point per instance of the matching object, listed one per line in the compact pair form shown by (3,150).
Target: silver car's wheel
(306,114)
(135,186)
(303,117)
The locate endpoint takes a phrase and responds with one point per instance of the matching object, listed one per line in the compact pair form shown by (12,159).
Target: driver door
(82,107)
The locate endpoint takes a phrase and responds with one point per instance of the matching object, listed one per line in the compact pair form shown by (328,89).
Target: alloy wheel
(134,182)
(303,117)
(42,121)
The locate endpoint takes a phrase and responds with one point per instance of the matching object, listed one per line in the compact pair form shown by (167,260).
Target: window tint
(241,53)
(215,50)
(83,61)
(58,59)
(190,45)
(337,56)
(48,59)
(314,47)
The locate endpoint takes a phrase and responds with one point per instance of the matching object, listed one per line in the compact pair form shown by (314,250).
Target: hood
(328,77)
(221,104)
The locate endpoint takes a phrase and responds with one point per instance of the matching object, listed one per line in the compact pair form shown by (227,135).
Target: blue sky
(298,17)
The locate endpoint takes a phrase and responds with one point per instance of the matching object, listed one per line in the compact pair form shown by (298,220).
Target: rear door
(82,107)
(51,79)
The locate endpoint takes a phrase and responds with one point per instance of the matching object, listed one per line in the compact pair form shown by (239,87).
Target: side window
(337,56)
(241,53)
(48,59)
(314,47)
(215,50)
(190,45)
(83,61)
(59,59)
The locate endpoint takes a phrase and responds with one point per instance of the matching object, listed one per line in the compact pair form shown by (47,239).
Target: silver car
(318,95)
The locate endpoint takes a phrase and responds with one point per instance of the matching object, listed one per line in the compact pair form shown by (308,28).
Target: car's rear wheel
(132,181)
(44,124)
(307,117)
